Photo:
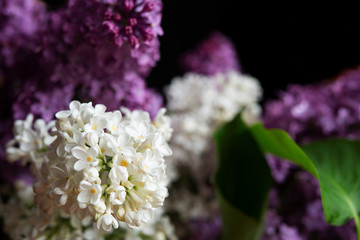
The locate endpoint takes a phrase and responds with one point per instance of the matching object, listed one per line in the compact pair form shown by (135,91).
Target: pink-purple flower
(216,54)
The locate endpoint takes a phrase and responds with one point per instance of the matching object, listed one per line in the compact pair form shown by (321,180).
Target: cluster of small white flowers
(27,222)
(31,142)
(23,220)
(198,104)
(106,165)
(91,164)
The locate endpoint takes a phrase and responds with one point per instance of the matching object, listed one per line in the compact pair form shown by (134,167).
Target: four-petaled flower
(85,157)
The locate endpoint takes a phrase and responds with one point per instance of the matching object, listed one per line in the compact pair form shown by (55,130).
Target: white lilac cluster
(96,164)
(198,104)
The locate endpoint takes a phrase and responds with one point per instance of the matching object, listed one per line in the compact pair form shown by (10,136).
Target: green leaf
(338,165)
(236,224)
(242,181)
(280,144)
(335,163)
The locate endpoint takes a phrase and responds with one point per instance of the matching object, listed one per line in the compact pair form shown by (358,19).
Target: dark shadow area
(278,47)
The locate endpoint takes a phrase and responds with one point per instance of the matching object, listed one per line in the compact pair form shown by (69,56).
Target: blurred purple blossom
(216,54)
(205,229)
(279,168)
(19,22)
(318,111)
(42,103)
(277,230)
(130,91)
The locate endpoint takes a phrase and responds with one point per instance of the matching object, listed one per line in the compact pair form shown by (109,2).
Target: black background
(276,44)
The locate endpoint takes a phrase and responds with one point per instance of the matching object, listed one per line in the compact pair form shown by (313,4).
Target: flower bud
(92,139)
(100,207)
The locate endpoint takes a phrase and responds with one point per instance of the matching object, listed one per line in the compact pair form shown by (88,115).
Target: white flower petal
(92,152)
(79,153)
(85,185)
(100,108)
(80,165)
(63,199)
(131,131)
(165,150)
(84,196)
(63,114)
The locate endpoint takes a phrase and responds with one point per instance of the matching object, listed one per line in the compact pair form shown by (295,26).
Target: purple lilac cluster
(117,35)
(216,54)
(89,50)
(74,49)
(307,113)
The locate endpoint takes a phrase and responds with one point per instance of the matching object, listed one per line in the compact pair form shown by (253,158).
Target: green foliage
(335,163)
(242,180)
(338,164)
(280,144)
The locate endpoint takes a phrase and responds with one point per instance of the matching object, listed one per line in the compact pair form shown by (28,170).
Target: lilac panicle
(307,113)
(119,29)
(318,111)
(216,54)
